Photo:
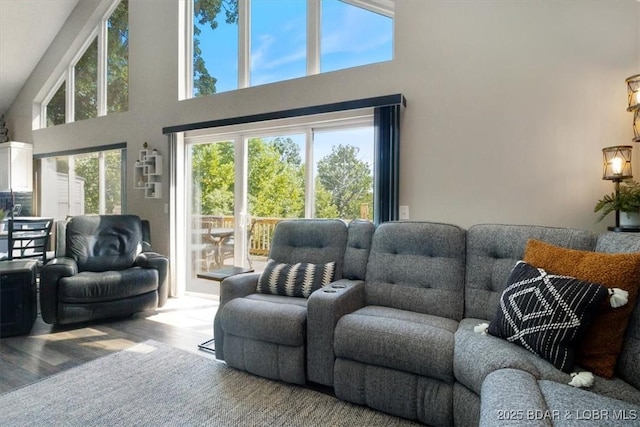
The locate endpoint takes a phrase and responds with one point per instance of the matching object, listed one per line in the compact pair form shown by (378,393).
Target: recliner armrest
(50,274)
(511,397)
(237,286)
(150,260)
(325,307)
(156,261)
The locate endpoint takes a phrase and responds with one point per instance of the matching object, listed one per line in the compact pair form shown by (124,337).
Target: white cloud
(352,34)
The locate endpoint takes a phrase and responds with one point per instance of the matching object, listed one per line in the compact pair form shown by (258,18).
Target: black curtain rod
(380,101)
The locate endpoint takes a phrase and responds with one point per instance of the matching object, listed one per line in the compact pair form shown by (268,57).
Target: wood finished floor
(182,323)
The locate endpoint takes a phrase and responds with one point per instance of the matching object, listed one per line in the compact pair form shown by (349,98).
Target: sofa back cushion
(417,266)
(492,252)
(359,234)
(628,367)
(315,241)
(104,242)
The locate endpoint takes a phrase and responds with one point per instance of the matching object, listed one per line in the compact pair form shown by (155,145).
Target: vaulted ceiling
(27,28)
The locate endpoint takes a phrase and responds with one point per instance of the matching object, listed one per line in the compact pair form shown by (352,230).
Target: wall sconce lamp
(633,98)
(616,163)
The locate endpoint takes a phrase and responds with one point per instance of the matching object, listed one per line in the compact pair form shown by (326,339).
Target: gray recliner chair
(107,270)
(290,338)
(395,354)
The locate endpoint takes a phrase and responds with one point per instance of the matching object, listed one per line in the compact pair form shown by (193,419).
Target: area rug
(152,384)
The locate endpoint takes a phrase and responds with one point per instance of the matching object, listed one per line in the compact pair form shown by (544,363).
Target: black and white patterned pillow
(545,313)
(295,280)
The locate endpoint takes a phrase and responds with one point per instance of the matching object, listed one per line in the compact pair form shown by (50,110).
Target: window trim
(381,7)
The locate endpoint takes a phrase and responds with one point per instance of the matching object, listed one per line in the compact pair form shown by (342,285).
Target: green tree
(205,12)
(324,202)
(213,178)
(118,59)
(276,179)
(288,149)
(86,167)
(348,180)
(85,92)
(56,107)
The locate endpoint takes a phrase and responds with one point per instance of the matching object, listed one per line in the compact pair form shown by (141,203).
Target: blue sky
(350,36)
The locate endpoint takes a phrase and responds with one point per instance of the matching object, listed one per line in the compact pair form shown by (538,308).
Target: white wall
(509,104)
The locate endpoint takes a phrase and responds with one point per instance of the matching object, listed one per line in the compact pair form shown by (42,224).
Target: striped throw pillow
(295,280)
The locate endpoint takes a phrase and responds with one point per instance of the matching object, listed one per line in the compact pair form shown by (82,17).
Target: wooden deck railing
(261,230)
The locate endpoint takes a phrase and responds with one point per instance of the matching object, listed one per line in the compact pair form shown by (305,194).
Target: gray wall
(509,104)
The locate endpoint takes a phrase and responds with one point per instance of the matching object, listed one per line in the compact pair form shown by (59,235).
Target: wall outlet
(404,212)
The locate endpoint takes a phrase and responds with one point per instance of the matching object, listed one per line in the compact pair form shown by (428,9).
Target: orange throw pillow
(603,340)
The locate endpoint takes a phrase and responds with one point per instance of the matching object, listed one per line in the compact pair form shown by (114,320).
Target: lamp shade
(616,162)
(633,92)
(636,125)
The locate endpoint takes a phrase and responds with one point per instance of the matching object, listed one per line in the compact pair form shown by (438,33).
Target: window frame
(239,135)
(100,151)
(314,27)
(67,75)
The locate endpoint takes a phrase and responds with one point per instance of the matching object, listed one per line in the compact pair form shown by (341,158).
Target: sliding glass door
(239,185)
(210,208)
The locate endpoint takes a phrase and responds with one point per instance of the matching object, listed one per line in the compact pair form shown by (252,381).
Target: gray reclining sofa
(400,336)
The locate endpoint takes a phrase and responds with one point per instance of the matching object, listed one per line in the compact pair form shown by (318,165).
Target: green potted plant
(627,201)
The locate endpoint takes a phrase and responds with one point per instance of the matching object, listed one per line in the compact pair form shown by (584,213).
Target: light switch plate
(404,212)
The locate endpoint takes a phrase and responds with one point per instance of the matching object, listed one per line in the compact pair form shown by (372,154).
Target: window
(248,180)
(82,183)
(217,55)
(118,59)
(276,175)
(96,81)
(232,180)
(231,44)
(86,83)
(55,109)
(344,172)
(278,40)
(353,36)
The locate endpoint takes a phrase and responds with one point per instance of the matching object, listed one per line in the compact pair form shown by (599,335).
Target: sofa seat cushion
(519,395)
(477,355)
(274,322)
(278,299)
(90,287)
(417,343)
(579,405)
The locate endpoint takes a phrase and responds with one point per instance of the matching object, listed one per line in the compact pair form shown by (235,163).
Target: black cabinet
(18,297)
